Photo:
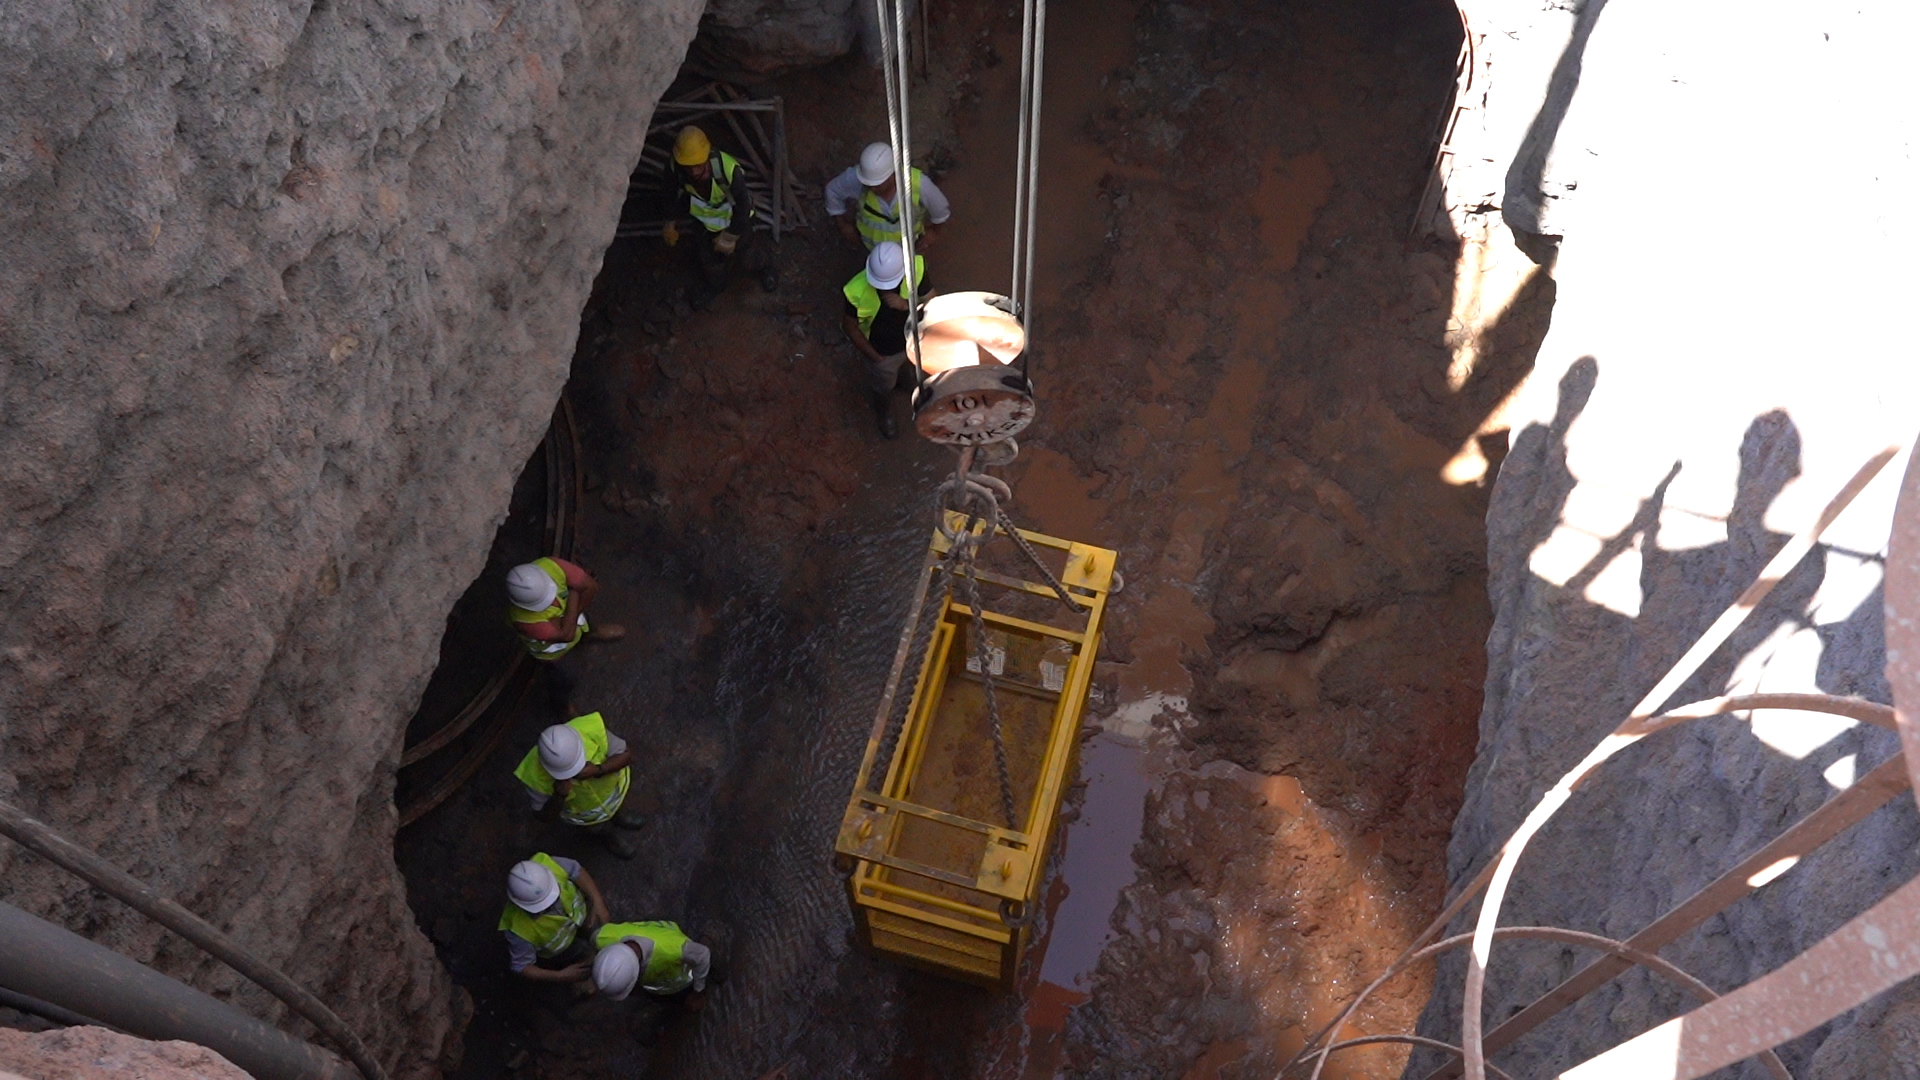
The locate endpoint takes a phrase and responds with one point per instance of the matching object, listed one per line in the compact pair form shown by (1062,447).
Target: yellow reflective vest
(547,650)
(589,802)
(714,207)
(866,299)
(878,224)
(666,969)
(551,933)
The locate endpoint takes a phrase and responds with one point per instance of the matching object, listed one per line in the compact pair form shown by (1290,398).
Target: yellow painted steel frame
(969,922)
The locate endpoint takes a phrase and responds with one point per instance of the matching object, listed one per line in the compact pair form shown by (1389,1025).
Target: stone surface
(91,1053)
(289,293)
(1714,373)
(767,35)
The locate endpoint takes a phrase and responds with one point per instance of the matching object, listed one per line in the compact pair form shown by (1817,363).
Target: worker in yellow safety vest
(658,957)
(712,191)
(864,201)
(875,319)
(549,599)
(552,900)
(580,773)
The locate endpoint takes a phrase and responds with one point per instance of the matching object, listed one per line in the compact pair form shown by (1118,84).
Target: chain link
(916,658)
(978,496)
(1033,557)
(971,581)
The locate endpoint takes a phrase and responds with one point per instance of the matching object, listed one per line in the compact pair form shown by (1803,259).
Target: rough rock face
(91,1053)
(290,291)
(766,35)
(1694,404)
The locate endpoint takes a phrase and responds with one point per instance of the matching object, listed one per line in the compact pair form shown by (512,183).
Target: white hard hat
(886,265)
(876,164)
(532,887)
(562,752)
(615,970)
(531,588)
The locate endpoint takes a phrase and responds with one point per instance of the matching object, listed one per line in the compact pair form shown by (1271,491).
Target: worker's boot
(607,632)
(883,413)
(616,844)
(630,819)
(770,279)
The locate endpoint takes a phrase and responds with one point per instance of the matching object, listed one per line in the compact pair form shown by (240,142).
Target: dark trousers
(883,376)
(558,681)
(751,255)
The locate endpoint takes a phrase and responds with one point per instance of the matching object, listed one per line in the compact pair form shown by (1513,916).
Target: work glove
(671,234)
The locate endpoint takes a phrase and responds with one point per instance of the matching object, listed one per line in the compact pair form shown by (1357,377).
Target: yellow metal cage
(936,876)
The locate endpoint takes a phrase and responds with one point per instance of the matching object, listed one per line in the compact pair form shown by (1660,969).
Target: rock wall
(1727,349)
(290,290)
(91,1053)
(767,35)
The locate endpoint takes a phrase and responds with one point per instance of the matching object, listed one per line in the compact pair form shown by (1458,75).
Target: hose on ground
(34,835)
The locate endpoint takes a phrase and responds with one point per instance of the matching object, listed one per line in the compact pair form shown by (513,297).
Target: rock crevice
(290,292)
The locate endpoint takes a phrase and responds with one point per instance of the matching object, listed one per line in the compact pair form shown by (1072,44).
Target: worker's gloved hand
(579,972)
(725,242)
(671,234)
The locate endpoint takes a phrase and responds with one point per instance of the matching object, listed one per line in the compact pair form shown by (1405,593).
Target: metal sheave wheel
(975,396)
(973,405)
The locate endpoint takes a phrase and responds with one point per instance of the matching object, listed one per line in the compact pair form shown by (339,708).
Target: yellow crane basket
(936,875)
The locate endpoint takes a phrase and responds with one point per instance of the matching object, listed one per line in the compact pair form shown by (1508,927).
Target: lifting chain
(978,496)
(984,656)
(922,630)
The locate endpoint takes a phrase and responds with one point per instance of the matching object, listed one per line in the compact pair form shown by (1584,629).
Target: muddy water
(1096,863)
(772,879)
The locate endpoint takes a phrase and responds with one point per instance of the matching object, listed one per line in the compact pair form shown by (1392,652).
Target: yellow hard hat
(692,147)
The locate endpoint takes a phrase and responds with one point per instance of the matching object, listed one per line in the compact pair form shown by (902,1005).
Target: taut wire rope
(1038,31)
(892,17)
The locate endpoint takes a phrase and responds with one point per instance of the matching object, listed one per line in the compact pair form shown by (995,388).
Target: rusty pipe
(34,835)
(61,968)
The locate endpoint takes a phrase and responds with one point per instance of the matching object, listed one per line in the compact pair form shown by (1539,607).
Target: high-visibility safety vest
(866,299)
(550,933)
(877,223)
(548,650)
(714,207)
(589,802)
(666,969)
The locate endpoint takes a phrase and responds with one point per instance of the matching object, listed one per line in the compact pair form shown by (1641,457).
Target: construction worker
(549,601)
(580,773)
(712,191)
(875,319)
(655,956)
(552,899)
(862,200)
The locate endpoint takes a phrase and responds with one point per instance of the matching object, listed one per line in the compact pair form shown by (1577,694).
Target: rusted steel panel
(1873,953)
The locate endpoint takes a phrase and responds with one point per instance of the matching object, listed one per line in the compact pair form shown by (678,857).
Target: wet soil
(1243,382)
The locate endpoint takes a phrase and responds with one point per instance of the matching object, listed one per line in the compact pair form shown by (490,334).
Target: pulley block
(974,395)
(973,406)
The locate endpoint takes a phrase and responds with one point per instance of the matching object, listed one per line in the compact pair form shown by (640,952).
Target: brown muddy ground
(1243,384)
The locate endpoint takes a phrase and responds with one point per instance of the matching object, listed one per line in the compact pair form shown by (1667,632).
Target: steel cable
(36,836)
(892,18)
(984,656)
(1038,30)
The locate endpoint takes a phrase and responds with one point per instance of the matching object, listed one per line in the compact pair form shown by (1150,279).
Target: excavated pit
(1247,386)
